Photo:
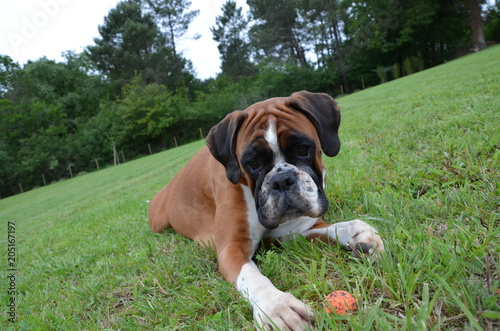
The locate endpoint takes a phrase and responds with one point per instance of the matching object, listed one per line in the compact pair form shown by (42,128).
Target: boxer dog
(261,177)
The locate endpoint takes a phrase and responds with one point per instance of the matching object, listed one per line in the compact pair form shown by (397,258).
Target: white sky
(31,29)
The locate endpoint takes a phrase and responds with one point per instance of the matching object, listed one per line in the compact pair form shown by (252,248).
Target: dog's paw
(359,237)
(282,311)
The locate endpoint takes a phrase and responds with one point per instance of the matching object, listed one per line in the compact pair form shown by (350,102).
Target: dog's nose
(283,180)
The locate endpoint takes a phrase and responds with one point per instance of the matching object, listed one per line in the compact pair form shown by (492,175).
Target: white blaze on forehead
(271,137)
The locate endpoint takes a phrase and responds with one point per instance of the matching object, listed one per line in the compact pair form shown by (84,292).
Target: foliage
(492,23)
(400,29)
(145,112)
(131,44)
(40,115)
(173,19)
(7,70)
(277,31)
(413,64)
(419,161)
(234,50)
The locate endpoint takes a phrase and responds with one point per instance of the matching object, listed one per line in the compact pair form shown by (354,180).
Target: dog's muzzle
(288,193)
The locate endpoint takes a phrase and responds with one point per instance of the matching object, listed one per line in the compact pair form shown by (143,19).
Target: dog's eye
(302,150)
(253,163)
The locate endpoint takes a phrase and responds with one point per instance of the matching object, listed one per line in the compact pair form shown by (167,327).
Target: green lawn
(420,161)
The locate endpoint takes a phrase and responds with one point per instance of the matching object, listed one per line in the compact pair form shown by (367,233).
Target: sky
(31,29)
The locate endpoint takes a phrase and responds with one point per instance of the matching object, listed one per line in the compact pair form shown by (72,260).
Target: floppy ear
(221,142)
(324,113)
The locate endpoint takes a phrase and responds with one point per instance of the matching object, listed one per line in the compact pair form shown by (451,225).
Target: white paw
(282,311)
(362,238)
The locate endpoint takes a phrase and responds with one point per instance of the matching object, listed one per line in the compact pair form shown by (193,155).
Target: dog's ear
(221,142)
(324,113)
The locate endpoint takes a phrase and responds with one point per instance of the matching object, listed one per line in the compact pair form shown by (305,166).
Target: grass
(420,161)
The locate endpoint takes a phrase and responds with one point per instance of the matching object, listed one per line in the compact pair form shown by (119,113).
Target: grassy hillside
(420,160)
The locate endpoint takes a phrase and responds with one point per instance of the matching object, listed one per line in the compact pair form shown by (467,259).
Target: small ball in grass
(342,302)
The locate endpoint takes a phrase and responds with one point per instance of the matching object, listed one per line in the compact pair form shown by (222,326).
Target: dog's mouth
(291,213)
(287,195)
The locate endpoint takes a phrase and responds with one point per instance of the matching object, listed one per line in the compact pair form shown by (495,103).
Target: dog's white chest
(258,232)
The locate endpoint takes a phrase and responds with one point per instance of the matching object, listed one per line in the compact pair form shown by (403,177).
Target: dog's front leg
(272,308)
(355,235)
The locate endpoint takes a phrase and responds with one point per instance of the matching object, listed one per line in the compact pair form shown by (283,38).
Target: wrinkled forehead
(273,129)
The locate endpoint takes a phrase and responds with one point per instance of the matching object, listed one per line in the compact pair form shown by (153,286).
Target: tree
(68,85)
(394,30)
(325,22)
(146,113)
(8,69)
(173,19)
(492,23)
(278,30)
(44,106)
(476,22)
(131,44)
(7,150)
(229,31)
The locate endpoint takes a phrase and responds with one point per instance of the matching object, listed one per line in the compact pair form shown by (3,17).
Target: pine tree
(229,32)
(173,18)
(278,31)
(131,44)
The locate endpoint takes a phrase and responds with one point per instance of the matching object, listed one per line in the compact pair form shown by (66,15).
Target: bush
(492,24)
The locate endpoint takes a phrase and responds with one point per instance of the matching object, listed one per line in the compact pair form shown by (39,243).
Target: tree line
(133,92)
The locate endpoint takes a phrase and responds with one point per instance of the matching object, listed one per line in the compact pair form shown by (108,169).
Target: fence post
(115,156)
(175,142)
(201,134)
(149,149)
(44,181)
(70,171)
(123,156)
(21,187)
(96,163)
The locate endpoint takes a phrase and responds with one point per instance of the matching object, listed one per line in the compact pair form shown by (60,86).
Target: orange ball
(341,301)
